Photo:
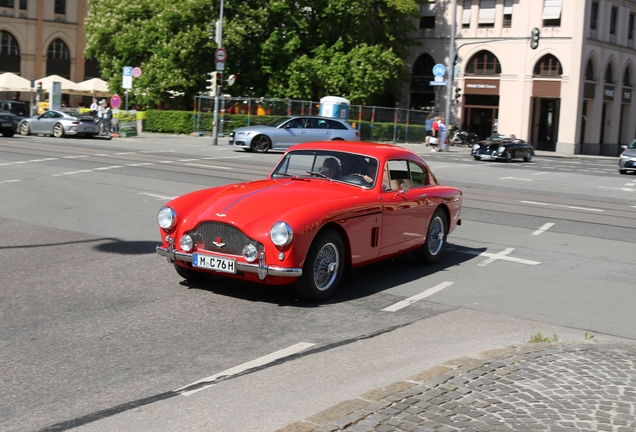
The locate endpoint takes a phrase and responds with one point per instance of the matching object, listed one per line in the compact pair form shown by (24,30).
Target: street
(100,333)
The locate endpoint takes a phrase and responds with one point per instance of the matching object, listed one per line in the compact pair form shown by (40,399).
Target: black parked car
(8,123)
(502,147)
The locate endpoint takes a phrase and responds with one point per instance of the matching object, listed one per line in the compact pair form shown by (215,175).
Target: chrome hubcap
(326,266)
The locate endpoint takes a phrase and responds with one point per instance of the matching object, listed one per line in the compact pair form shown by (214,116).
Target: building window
(609,74)
(507,18)
(589,71)
(487,13)
(91,68)
(613,19)
(594,16)
(427,16)
(483,63)
(60,7)
(6,3)
(58,60)
(466,14)
(552,13)
(23,4)
(627,80)
(630,27)
(9,53)
(548,65)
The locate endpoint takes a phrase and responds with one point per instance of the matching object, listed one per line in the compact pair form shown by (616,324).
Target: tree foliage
(302,49)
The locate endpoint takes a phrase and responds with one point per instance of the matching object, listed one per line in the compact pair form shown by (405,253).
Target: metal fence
(396,125)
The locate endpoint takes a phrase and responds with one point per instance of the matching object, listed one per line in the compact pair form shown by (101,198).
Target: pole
(217,87)
(451,61)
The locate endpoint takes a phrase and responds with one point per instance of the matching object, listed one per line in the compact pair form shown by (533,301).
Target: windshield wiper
(318,174)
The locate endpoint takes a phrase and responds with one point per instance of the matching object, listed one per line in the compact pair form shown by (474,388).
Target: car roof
(378,150)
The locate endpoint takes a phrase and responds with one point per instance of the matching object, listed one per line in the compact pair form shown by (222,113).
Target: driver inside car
(331,168)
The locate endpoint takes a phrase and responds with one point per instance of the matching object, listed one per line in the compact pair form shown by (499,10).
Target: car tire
(509,156)
(433,248)
(189,274)
(323,267)
(25,129)
(477,157)
(622,171)
(528,158)
(58,130)
(261,143)
(8,134)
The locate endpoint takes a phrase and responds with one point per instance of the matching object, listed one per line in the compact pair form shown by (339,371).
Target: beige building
(39,38)
(572,94)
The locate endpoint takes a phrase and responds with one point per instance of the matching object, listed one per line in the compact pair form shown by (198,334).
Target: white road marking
(9,181)
(209,166)
(224,157)
(515,178)
(543,229)
(74,157)
(108,167)
(139,164)
(161,197)
(624,189)
(261,361)
(409,301)
(503,255)
(540,173)
(564,206)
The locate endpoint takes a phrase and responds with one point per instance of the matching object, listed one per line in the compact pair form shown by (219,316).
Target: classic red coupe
(325,207)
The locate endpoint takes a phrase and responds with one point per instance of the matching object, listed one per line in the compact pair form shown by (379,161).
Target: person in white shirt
(442,132)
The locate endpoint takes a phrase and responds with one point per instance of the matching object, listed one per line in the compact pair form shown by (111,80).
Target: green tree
(302,49)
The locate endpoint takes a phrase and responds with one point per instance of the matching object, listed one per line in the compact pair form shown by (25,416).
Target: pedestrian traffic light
(534,38)
(457,93)
(212,76)
(219,79)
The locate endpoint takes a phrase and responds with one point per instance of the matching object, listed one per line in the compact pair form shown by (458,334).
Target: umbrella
(12,82)
(68,86)
(97,87)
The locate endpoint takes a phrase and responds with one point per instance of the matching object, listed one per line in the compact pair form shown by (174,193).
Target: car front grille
(222,237)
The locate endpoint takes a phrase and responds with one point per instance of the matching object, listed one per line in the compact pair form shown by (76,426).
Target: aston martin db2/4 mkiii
(325,207)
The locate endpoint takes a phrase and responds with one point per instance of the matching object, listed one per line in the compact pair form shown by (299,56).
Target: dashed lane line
(409,301)
(543,229)
(562,206)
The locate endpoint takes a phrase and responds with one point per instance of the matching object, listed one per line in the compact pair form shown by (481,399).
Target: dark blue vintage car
(502,147)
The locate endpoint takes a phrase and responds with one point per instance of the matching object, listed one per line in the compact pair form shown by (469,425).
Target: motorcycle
(463,138)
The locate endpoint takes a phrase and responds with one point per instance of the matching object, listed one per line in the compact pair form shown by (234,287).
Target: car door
(44,123)
(290,133)
(318,130)
(406,206)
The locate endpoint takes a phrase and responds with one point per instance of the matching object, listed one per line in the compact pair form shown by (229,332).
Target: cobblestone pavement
(544,387)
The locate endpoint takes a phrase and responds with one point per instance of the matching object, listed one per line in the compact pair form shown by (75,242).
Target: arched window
(627,80)
(91,68)
(589,71)
(548,65)
(483,63)
(609,74)
(9,53)
(58,60)
(422,93)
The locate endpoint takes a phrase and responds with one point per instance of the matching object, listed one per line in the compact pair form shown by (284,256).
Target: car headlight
(250,253)
(186,243)
(624,156)
(501,149)
(167,218)
(476,146)
(281,234)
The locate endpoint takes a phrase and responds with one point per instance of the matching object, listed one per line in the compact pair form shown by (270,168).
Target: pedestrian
(429,127)
(442,133)
(434,139)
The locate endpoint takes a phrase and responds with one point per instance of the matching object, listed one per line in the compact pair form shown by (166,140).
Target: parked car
(20,109)
(627,160)
(59,124)
(502,147)
(284,132)
(325,207)
(8,123)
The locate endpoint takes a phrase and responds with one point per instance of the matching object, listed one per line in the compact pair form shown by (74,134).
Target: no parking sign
(115,101)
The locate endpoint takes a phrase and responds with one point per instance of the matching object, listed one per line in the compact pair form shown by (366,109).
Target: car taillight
(75,122)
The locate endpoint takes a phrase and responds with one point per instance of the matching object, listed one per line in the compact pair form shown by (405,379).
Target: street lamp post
(215,126)
(451,62)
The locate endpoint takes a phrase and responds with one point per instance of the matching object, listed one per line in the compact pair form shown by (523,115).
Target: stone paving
(537,387)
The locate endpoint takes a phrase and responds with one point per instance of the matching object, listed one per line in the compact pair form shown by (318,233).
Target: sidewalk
(543,386)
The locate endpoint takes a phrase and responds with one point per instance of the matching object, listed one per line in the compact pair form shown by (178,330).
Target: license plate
(214,262)
(6,124)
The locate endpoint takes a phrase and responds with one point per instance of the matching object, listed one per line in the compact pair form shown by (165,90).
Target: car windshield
(359,170)
(277,121)
(632,145)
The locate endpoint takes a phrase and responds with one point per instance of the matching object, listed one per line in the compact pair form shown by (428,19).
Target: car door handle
(422,196)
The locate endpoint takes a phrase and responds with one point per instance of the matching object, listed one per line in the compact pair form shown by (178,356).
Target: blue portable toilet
(334,106)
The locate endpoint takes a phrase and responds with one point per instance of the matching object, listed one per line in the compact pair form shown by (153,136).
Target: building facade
(39,38)
(571,94)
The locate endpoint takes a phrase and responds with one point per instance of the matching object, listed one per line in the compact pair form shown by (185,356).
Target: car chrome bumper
(260,268)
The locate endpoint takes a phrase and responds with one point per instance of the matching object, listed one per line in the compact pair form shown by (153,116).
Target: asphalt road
(99,333)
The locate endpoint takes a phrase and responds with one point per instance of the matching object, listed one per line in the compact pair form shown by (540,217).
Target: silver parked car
(284,132)
(627,160)
(59,124)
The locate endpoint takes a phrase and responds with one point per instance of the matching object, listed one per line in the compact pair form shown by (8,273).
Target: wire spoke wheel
(326,267)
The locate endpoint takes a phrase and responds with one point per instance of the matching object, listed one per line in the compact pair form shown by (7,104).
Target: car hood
(255,206)
(629,153)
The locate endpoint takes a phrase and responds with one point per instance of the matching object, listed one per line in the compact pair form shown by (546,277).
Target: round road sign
(136,72)
(439,70)
(220,55)
(115,101)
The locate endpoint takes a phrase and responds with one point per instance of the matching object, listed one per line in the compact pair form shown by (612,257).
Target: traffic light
(212,76)
(219,79)
(212,31)
(457,93)
(534,38)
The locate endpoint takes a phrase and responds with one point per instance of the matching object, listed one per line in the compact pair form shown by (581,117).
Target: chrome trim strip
(173,255)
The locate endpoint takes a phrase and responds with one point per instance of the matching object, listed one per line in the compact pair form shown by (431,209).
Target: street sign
(115,101)
(438,83)
(220,55)
(439,79)
(136,72)
(439,70)
(127,77)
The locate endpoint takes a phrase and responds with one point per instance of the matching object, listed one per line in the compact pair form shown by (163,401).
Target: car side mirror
(403,188)
(623,147)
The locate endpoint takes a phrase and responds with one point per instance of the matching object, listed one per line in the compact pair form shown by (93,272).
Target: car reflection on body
(502,147)
(627,160)
(284,132)
(325,207)
(59,124)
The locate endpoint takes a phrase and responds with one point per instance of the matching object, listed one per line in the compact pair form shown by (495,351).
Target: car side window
(297,123)
(335,125)
(398,174)
(419,175)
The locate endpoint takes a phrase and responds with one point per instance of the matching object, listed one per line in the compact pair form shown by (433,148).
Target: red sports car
(325,207)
